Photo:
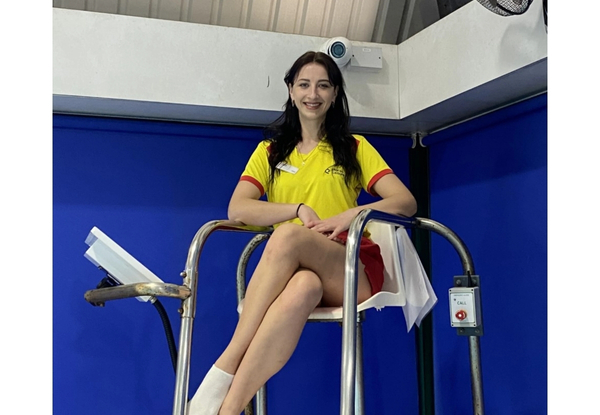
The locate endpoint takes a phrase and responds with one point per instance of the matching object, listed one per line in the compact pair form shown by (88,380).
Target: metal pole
(188,312)
(476,380)
(455,241)
(240,282)
(468,269)
(360,385)
(350,302)
(260,399)
(349,315)
(188,308)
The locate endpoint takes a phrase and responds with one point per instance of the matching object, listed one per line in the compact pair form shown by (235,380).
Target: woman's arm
(396,199)
(246,207)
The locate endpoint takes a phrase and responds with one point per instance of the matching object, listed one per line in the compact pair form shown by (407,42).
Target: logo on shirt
(335,170)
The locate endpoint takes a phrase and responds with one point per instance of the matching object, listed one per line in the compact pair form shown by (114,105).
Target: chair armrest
(99,296)
(231,225)
(191,265)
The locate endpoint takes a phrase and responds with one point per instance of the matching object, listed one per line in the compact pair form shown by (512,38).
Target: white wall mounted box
(465,307)
(366,57)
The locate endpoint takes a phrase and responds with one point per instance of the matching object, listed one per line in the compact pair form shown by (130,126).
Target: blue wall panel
(149,186)
(489,184)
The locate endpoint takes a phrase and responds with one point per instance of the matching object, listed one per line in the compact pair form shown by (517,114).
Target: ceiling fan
(513,7)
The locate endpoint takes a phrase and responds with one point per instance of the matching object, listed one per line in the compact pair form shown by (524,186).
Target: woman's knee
(303,291)
(286,238)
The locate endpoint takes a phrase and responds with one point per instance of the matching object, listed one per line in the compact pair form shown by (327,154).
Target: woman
(312,170)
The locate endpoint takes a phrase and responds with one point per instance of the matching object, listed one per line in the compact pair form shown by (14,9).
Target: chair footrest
(326,314)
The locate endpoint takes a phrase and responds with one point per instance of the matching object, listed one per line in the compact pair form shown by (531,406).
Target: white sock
(211,393)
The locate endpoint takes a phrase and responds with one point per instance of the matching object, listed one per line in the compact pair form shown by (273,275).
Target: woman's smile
(312,105)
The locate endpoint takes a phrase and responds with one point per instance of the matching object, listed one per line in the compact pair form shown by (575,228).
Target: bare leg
(275,340)
(289,248)
(264,340)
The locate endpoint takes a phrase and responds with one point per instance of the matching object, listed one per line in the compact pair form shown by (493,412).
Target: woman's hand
(307,215)
(334,225)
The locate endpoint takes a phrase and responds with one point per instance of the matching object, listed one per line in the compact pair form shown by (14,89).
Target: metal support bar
(347,398)
(350,302)
(261,401)
(455,241)
(468,269)
(476,380)
(359,401)
(258,405)
(189,305)
(243,263)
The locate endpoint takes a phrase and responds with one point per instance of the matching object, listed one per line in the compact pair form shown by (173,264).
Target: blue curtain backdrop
(489,184)
(149,186)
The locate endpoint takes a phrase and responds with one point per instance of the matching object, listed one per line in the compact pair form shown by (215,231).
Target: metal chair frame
(352,369)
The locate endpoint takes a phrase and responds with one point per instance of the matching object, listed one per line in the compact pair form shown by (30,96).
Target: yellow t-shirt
(313,179)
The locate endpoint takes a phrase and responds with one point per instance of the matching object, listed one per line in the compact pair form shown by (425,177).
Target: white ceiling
(379,21)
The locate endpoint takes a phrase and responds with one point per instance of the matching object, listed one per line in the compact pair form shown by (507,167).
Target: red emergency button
(461,315)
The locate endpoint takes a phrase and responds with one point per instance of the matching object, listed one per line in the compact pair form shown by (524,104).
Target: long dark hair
(286,132)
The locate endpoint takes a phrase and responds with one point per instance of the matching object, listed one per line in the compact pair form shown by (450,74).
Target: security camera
(339,48)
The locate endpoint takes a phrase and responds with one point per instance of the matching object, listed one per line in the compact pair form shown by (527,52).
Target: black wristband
(298,209)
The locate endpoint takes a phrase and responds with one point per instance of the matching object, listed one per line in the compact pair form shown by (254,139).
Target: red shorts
(370,255)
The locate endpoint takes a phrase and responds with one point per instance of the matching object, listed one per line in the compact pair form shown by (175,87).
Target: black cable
(110,281)
(169,332)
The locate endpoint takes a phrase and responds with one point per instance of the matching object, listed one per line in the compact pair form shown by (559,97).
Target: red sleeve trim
(254,182)
(375,179)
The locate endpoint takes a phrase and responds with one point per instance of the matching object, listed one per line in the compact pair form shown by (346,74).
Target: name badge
(287,167)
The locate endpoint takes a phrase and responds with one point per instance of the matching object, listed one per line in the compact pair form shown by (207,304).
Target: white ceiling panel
(260,15)
(139,8)
(289,17)
(359,20)
(73,4)
(354,19)
(364,20)
(339,20)
(313,17)
(230,13)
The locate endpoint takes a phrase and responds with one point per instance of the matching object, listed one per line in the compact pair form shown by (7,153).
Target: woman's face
(312,93)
